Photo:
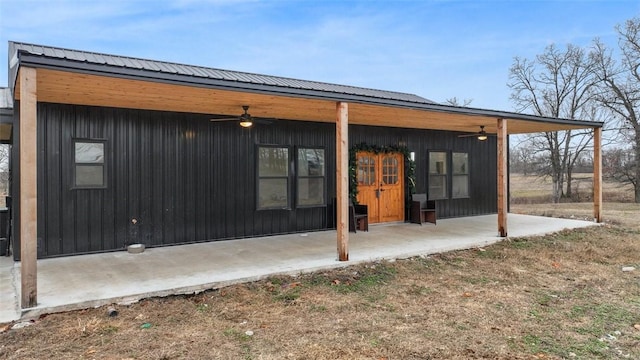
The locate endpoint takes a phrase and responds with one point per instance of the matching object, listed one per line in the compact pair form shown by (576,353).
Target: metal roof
(198,76)
(18,51)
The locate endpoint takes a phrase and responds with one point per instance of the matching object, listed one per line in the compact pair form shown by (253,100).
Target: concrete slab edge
(35,312)
(15,312)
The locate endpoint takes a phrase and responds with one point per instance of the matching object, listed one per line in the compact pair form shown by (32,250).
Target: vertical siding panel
(211,183)
(120,178)
(216,168)
(95,221)
(201,177)
(49,179)
(189,180)
(67,200)
(109,194)
(229,186)
(180,169)
(156,195)
(133,177)
(44,245)
(169,189)
(145,177)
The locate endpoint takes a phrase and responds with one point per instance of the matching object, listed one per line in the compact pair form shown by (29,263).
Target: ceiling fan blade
(245,119)
(224,119)
(468,135)
(263,121)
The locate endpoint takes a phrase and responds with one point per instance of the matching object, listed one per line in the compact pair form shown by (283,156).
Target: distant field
(533,189)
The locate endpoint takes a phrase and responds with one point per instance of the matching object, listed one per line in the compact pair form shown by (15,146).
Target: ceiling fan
(245,119)
(481,135)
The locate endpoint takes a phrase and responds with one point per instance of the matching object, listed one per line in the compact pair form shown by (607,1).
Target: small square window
(89,164)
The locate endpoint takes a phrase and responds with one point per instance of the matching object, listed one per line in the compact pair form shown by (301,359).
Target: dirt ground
(561,296)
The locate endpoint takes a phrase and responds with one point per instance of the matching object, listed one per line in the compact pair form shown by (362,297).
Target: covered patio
(42,78)
(77,282)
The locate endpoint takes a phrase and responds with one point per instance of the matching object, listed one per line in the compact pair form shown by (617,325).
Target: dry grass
(559,296)
(624,214)
(533,189)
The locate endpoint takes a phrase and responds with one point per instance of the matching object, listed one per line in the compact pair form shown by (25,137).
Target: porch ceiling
(90,89)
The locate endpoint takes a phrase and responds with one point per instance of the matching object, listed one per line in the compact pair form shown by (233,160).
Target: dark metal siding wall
(184,179)
(482,163)
(482,171)
(172,178)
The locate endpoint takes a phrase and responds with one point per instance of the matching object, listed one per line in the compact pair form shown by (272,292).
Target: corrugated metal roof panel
(199,72)
(95,58)
(211,73)
(150,65)
(75,56)
(169,68)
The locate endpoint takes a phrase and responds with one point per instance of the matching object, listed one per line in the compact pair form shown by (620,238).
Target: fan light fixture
(246,123)
(245,119)
(480,135)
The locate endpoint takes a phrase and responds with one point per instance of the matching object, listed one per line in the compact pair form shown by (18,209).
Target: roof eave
(25,58)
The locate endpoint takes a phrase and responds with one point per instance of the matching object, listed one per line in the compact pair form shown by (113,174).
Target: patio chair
(358,217)
(422,210)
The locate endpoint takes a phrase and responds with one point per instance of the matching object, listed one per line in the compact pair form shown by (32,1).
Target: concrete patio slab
(77,282)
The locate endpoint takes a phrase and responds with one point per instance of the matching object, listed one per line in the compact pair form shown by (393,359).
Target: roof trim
(22,54)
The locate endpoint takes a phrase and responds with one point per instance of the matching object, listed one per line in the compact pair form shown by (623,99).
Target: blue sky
(435,49)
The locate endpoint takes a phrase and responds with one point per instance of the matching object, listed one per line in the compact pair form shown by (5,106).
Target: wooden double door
(381,185)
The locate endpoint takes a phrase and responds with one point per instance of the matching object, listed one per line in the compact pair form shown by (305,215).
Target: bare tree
(455,102)
(522,159)
(620,91)
(618,165)
(557,83)
(4,170)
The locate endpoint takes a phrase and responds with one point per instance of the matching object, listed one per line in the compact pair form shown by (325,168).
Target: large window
(448,170)
(273,177)
(279,180)
(311,177)
(89,164)
(460,172)
(438,175)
